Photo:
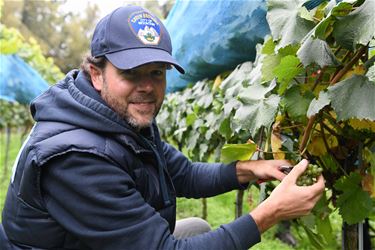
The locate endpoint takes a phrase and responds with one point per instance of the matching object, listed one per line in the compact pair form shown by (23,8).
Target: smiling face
(135,95)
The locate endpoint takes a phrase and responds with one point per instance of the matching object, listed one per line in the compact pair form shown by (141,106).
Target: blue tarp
(18,81)
(212,36)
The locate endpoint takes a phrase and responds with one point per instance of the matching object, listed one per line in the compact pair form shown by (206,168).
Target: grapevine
(307,95)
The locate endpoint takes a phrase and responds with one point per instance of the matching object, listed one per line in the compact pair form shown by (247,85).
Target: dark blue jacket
(86,180)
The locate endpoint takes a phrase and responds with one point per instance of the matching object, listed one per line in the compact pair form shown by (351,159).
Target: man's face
(136,94)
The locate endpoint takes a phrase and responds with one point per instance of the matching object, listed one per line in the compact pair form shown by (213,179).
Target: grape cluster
(310,175)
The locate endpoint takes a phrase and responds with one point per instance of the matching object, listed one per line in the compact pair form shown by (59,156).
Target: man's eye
(157,72)
(129,72)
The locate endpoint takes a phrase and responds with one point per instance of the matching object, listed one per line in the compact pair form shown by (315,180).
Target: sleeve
(96,201)
(198,179)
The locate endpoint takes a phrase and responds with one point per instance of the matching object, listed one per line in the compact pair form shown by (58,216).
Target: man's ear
(96,77)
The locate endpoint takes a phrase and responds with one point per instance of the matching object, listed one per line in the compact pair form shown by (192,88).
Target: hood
(74,101)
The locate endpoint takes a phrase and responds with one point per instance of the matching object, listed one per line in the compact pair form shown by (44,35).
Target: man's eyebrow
(124,70)
(163,65)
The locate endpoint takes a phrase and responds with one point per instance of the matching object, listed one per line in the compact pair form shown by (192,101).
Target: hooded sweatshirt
(85,179)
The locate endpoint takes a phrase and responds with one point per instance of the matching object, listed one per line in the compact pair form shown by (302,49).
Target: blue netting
(18,81)
(210,37)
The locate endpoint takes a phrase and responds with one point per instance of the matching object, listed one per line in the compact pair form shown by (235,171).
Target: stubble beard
(121,108)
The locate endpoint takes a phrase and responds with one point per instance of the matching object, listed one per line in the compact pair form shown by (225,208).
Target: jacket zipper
(163,184)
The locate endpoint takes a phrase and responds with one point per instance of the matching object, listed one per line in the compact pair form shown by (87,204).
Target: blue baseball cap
(131,36)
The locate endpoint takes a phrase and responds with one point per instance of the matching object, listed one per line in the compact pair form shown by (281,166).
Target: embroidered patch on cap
(145,27)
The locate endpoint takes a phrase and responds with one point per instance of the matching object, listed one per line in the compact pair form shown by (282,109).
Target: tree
(63,36)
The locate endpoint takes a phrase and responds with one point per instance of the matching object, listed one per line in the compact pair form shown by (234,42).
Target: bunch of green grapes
(310,175)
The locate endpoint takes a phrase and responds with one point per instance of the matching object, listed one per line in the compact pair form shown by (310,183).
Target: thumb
(297,170)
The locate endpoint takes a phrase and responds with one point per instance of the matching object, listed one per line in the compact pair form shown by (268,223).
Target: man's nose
(146,83)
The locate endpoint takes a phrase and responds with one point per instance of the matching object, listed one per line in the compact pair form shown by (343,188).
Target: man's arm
(197,179)
(287,201)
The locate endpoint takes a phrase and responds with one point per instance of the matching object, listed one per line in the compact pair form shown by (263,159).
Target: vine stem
(336,78)
(306,134)
(348,66)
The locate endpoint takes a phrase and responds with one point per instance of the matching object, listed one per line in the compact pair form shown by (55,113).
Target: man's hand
(288,200)
(262,170)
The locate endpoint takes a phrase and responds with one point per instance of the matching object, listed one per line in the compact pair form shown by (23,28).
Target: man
(94,173)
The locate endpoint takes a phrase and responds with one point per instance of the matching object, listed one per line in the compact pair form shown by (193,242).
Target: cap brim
(132,58)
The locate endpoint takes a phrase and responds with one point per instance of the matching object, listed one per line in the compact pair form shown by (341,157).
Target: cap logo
(145,27)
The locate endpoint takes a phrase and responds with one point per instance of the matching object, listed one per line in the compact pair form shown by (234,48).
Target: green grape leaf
(192,140)
(353,198)
(238,75)
(202,150)
(329,162)
(257,113)
(289,50)
(317,104)
(270,62)
(204,95)
(315,239)
(285,22)
(324,229)
(231,105)
(296,103)
(255,92)
(225,130)
(190,119)
(358,27)
(268,47)
(235,152)
(341,10)
(316,51)
(325,27)
(255,75)
(288,68)
(353,98)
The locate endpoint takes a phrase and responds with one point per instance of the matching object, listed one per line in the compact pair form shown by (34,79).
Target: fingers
(279,175)
(277,168)
(282,163)
(319,185)
(298,170)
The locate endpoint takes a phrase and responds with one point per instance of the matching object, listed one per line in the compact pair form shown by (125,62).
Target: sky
(105,6)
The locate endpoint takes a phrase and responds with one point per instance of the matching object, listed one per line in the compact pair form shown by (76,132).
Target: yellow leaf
(317,146)
(358,70)
(279,119)
(217,82)
(276,142)
(368,184)
(362,124)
